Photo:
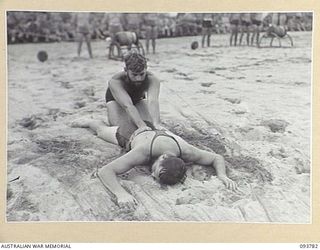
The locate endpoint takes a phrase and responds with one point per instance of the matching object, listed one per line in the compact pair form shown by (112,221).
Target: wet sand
(251,105)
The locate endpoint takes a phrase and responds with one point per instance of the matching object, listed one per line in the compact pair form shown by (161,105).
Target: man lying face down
(166,152)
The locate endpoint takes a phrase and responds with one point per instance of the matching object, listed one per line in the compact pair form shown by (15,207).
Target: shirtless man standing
(82,23)
(133,23)
(151,26)
(245,21)
(256,20)
(234,20)
(207,25)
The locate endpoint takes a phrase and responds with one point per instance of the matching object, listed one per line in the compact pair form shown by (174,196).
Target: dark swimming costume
(207,23)
(125,131)
(163,133)
(256,22)
(137,93)
(245,23)
(235,22)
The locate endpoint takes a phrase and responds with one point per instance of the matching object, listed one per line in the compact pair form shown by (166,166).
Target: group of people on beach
(243,23)
(132,100)
(246,24)
(115,32)
(80,26)
(243,27)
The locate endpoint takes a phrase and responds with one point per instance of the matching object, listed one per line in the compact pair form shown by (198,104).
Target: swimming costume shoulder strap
(162,133)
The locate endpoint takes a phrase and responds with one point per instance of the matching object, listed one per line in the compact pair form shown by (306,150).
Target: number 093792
(309,245)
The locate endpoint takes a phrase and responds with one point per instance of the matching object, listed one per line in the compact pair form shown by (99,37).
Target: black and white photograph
(159,116)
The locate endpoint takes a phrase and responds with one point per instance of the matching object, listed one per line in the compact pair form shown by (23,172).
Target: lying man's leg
(104,132)
(118,116)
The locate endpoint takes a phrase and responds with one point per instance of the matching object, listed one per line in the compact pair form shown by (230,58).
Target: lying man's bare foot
(81,123)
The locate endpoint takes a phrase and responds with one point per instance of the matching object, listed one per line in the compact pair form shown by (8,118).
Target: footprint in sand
(232,100)
(170,70)
(31,122)
(205,92)
(300,83)
(207,84)
(89,91)
(301,167)
(275,125)
(220,68)
(9,193)
(80,104)
(66,85)
(278,153)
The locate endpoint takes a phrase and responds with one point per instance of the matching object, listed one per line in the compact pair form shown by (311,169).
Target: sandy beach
(251,105)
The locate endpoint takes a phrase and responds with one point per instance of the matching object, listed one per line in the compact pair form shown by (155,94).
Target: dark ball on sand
(42,56)
(194,45)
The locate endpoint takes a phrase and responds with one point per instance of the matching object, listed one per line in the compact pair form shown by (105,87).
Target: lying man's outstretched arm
(207,158)
(108,176)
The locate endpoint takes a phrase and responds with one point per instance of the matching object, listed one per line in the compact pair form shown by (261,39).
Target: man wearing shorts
(234,20)
(114,22)
(245,20)
(82,23)
(207,25)
(150,21)
(256,20)
(133,23)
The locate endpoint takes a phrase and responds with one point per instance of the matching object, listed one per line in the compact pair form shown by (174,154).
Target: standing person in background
(245,21)
(283,20)
(207,24)
(166,31)
(133,23)
(172,27)
(297,21)
(256,20)
(114,22)
(82,25)
(44,27)
(31,30)
(150,21)
(217,23)
(279,19)
(234,20)
(224,23)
